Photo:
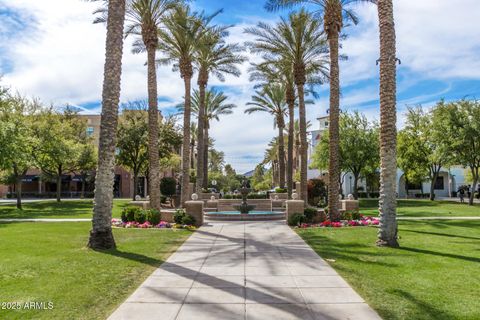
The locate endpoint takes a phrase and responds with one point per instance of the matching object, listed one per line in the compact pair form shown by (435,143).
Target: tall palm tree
(271,99)
(213,56)
(193,144)
(301,40)
(143,19)
(101,236)
(273,70)
(387,233)
(215,106)
(335,12)
(182,29)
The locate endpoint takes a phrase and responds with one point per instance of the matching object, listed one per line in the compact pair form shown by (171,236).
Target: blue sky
(49,49)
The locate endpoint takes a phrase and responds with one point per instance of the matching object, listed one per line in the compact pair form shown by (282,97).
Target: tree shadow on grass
(440,254)
(440,234)
(354,252)
(426,310)
(133,256)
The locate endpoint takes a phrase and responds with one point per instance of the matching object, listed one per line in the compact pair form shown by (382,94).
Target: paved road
(244,270)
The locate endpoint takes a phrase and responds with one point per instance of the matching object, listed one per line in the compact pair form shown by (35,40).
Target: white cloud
(60,60)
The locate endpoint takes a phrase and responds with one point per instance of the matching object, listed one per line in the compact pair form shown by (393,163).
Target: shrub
(178,216)
(140,216)
(153,216)
(350,215)
(168,186)
(310,214)
(296,219)
(128,213)
(322,203)
(188,220)
(280,190)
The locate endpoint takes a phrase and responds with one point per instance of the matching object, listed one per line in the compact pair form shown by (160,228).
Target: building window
(90,131)
(439,184)
(414,186)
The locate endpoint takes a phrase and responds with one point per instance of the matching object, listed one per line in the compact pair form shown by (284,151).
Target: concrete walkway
(244,270)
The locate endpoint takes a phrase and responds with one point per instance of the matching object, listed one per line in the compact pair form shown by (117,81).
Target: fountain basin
(252,215)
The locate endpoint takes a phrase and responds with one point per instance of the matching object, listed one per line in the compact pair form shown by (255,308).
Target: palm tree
(387,233)
(271,99)
(301,40)
(335,12)
(143,19)
(101,236)
(215,107)
(213,56)
(182,29)
(193,143)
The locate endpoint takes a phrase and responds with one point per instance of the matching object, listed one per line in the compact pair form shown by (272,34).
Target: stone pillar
(298,187)
(294,206)
(195,209)
(349,205)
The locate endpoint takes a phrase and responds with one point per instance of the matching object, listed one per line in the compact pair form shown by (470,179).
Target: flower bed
(362,222)
(117,223)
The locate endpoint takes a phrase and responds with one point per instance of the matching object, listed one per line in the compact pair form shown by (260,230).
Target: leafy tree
(17,115)
(59,141)
(132,146)
(419,150)
(358,147)
(459,132)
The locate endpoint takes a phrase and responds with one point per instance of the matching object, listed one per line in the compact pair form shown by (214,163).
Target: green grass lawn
(49,262)
(433,275)
(424,208)
(53,209)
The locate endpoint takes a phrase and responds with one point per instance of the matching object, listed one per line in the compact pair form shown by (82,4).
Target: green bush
(296,219)
(310,214)
(168,186)
(140,216)
(178,216)
(280,190)
(188,220)
(153,216)
(350,215)
(128,213)
(322,203)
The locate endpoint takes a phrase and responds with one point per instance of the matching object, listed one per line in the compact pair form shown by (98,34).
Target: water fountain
(244,207)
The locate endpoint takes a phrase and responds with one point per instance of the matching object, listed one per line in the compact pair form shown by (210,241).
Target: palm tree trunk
(205,156)
(101,236)
(200,138)
(186,142)
(303,143)
(281,155)
(387,232)
(333,130)
(291,115)
(153,153)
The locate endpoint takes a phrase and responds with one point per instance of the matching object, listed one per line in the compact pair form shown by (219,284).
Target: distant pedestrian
(469,192)
(461,193)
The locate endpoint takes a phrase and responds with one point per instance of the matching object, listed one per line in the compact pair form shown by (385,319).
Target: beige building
(35,186)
